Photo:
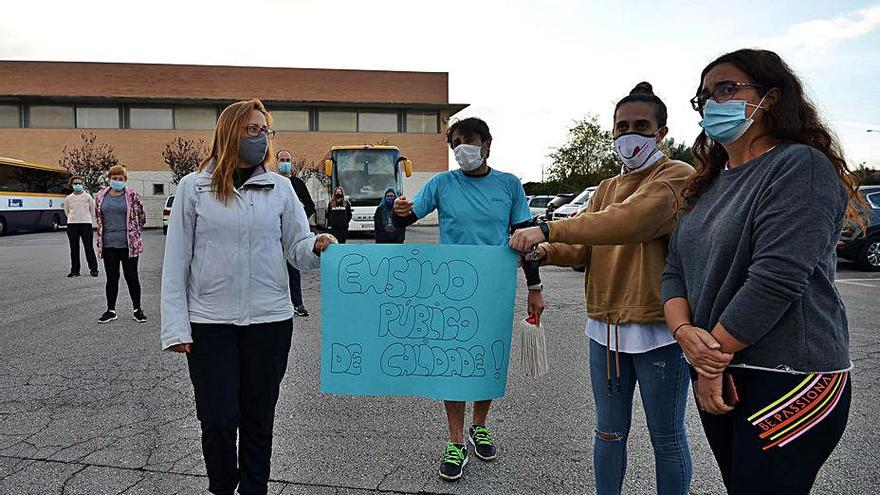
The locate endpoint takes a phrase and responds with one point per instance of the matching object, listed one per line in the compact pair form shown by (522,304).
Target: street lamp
(873,130)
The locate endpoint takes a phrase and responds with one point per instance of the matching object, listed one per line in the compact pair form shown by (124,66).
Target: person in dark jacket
(386,232)
(285,168)
(339,214)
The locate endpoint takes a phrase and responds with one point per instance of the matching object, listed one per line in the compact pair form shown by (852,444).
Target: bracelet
(679,328)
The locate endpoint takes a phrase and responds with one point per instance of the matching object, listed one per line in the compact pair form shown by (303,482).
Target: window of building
(198,118)
(10,116)
(377,122)
(51,116)
(151,118)
(158,189)
(97,117)
(290,120)
(336,121)
(421,122)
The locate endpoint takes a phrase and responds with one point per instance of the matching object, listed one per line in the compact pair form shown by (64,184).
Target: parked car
(864,249)
(577,204)
(166,212)
(538,205)
(559,200)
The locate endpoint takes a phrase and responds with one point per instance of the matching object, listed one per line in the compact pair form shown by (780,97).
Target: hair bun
(644,88)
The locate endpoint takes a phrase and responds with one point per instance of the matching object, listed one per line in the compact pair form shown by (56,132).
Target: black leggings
(113,257)
(782,431)
(341,235)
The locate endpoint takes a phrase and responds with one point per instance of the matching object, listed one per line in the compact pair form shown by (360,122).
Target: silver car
(577,204)
(538,204)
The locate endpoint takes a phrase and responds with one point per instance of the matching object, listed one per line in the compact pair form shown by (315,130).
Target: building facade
(139,108)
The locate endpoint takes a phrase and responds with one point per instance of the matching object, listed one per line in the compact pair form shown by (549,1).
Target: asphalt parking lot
(89,409)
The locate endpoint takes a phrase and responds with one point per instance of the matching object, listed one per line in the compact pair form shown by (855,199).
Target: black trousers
(236,374)
(782,431)
(295,281)
(113,257)
(341,235)
(77,232)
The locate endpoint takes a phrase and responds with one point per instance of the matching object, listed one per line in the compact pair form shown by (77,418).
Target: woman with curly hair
(749,284)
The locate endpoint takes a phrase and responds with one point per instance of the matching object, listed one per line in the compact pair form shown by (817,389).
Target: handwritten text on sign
(427,320)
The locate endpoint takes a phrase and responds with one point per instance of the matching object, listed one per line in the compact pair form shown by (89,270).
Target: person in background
(622,240)
(285,168)
(477,205)
(383,221)
(750,273)
(121,220)
(225,300)
(339,215)
(79,208)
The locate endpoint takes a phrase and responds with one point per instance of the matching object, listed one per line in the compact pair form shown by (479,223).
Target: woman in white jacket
(225,298)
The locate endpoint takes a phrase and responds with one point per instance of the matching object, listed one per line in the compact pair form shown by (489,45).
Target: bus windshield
(365,175)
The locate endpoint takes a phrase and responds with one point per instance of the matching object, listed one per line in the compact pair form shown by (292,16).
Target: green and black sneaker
(481,438)
(454,459)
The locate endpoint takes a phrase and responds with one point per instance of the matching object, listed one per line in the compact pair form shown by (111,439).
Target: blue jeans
(662,375)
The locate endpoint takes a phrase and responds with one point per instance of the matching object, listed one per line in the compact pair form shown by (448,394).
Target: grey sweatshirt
(757,253)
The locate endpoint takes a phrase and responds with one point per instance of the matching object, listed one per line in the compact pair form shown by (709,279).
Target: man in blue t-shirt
(478,206)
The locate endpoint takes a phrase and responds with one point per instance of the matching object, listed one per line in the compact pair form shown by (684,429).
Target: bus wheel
(2,226)
(56,223)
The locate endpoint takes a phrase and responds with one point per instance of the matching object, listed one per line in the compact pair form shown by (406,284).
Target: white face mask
(468,156)
(637,151)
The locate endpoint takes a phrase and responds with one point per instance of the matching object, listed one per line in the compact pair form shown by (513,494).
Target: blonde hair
(114,170)
(224,150)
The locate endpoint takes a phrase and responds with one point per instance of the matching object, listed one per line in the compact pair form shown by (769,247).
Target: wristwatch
(545,229)
(537,287)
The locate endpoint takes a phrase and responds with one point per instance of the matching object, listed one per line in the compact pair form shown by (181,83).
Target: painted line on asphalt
(853,282)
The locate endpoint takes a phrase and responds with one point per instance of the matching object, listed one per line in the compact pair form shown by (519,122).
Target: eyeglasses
(254,130)
(724,91)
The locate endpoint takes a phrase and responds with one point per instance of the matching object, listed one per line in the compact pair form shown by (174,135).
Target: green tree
(678,151)
(866,176)
(586,159)
(90,161)
(183,156)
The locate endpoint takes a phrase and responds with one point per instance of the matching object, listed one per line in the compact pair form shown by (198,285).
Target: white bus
(31,196)
(365,172)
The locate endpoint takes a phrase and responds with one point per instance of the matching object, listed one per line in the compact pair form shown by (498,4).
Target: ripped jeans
(662,375)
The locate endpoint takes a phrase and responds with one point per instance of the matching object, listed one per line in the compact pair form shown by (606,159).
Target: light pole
(873,130)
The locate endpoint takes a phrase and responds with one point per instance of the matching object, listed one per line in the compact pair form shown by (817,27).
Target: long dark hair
(644,92)
(792,119)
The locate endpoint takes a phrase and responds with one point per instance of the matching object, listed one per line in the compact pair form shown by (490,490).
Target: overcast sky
(530,68)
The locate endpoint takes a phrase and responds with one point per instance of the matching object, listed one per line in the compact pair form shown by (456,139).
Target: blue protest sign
(421,320)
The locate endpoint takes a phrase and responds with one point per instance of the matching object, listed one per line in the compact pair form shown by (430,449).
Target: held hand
(536,304)
(703,351)
(322,241)
(184,348)
(524,239)
(709,396)
(402,206)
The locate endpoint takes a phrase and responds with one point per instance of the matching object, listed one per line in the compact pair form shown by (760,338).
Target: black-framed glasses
(723,91)
(253,130)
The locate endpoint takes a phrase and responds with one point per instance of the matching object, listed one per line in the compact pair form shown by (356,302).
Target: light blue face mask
(284,167)
(78,187)
(726,122)
(117,185)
